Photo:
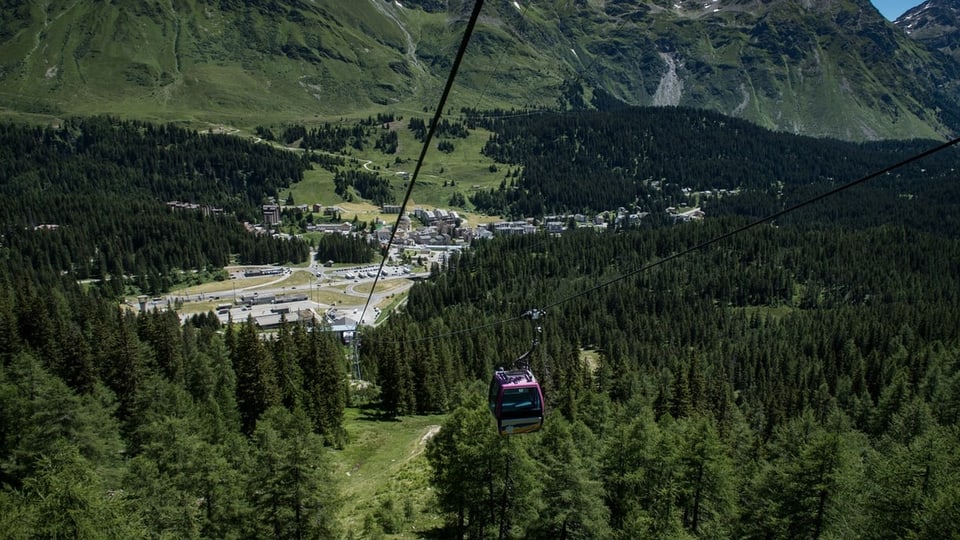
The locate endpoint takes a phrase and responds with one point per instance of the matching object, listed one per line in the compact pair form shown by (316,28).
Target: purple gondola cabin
(516,401)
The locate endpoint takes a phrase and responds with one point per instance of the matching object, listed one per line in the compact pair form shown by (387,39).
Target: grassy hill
(190,61)
(463,170)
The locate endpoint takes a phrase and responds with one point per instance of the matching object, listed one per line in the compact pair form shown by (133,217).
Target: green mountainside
(818,68)
(184,59)
(936,24)
(730,377)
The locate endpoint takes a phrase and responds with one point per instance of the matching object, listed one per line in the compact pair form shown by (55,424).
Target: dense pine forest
(115,425)
(782,384)
(799,379)
(644,156)
(91,199)
(793,382)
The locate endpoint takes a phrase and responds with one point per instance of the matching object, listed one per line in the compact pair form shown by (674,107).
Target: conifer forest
(797,379)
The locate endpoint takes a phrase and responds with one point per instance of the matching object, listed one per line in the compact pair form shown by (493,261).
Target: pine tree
(681,400)
(121,367)
(66,498)
(705,477)
(910,485)
(188,481)
(162,331)
(807,488)
(224,392)
(9,334)
(395,376)
(513,485)
(289,374)
(627,461)
(40,412)
(462,476)
(571,496)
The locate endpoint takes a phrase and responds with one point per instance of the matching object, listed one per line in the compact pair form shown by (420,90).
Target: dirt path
(429,434)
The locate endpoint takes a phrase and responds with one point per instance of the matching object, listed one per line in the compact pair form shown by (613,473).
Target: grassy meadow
(464,170)
(383,476)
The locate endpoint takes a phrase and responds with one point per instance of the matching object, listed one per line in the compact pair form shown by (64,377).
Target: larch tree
(570,494)
(291,485)
(257,388)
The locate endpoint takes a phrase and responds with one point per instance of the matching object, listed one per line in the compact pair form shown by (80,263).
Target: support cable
(471,24)
(702,245)
(761,221)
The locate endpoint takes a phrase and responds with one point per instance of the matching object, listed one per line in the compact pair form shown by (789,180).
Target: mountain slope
(817,68)
(936,24)
(824,68)
(174,58)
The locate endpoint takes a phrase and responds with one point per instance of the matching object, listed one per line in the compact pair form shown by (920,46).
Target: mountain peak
(936,24)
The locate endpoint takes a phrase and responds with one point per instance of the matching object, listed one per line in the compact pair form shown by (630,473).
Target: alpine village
(502,269)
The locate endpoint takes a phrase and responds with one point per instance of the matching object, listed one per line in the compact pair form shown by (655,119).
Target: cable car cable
(762,220)
(468,31)
(523,361)
(714,240)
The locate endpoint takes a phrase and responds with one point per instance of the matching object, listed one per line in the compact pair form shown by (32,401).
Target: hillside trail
(431,431)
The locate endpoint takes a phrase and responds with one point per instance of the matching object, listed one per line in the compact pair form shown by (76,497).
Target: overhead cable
(707,243)
(471,23)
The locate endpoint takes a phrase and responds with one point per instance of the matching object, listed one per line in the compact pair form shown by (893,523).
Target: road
(351,293)
(350,287)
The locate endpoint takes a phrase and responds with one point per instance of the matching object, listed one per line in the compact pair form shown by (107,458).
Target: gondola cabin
(516,401)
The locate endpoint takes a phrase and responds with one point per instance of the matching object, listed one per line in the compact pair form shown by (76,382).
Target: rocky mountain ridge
(936,24)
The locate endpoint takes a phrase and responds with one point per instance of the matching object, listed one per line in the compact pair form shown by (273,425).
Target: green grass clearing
(464,170)
(385,461)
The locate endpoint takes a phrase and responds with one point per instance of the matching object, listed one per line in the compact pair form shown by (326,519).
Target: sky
(891,9)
